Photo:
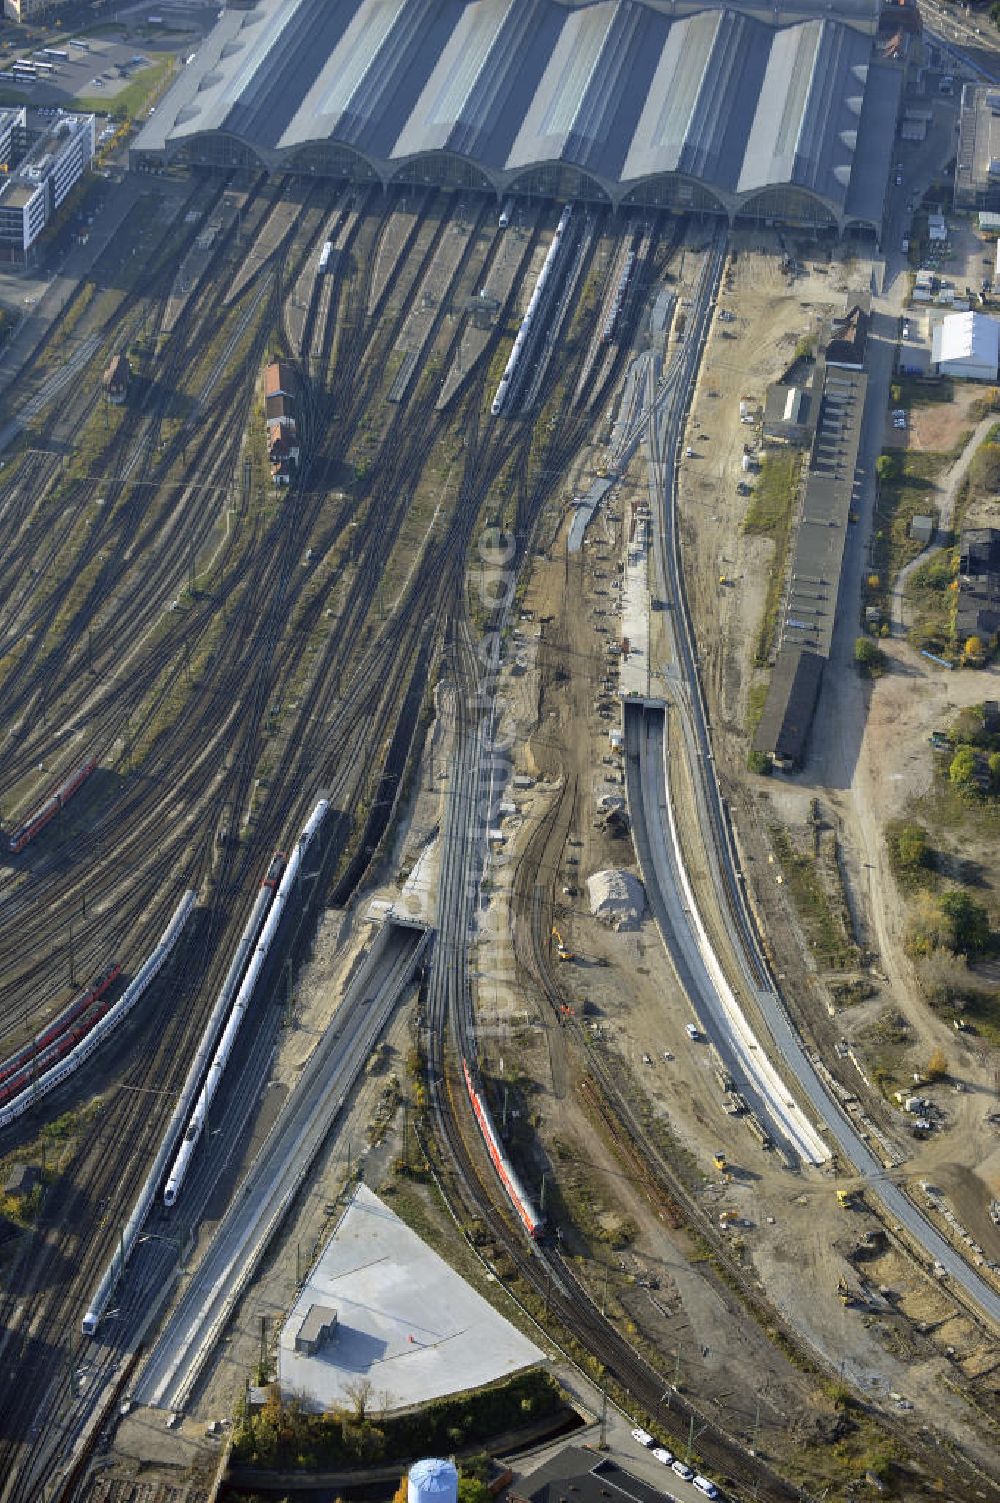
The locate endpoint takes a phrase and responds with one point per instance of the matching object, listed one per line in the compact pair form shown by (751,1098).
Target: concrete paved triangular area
(404,1320)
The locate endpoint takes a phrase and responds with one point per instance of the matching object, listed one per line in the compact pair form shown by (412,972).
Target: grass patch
(904,492)
(923,391)
(284,1436)
(931,593)
(769,515)
(770,506)
(910,855)
(828,938)
(756,700)
(131,100)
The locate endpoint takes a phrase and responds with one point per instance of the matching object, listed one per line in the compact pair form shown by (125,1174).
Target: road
(686,942)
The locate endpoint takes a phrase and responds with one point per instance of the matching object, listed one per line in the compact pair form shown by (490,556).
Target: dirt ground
(634,1008)
(938,427)
(557,702)
(771,316)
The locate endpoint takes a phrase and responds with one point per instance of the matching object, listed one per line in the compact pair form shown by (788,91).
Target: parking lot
(95,71)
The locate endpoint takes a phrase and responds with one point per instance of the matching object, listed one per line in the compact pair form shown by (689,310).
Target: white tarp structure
(967,346)
(617,897)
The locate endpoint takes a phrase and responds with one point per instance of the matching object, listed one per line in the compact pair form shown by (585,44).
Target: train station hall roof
(617,90)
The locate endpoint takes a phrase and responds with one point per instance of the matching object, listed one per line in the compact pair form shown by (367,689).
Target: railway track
(207,758)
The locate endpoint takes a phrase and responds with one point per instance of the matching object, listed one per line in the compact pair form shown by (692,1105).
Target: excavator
(561,949)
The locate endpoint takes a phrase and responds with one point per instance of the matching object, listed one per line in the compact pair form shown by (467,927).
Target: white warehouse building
(966,346)
(31,195)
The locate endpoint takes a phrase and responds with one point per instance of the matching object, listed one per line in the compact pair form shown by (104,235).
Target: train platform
(635,674)
(394,1313)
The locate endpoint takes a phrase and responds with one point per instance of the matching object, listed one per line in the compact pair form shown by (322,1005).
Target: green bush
(969,920)
(912,847)
(868,656)
(963,767)
(284,1436)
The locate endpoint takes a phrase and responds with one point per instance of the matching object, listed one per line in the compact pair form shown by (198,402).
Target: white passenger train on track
(528,321)
(49,1079)
(285,889)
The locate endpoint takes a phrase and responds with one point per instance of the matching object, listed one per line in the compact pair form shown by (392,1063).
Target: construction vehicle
(844,1291)
(561,950)
(845,1199)
(719,1160)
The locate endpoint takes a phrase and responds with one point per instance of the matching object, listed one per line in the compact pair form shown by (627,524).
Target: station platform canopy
(728,109)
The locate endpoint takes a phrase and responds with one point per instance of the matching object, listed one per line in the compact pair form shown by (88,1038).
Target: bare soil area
(771,314)
(938,427)
(623,986)
(771,317)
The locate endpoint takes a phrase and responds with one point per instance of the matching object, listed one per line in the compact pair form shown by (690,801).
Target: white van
(643,1437)
(705,1486)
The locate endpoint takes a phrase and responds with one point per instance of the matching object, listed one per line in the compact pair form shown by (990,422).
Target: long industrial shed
(747,112)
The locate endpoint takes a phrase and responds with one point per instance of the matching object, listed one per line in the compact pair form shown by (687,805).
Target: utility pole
(602,1444)
(263,1347)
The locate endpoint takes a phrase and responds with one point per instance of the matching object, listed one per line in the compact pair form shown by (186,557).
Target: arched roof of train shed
(611,94)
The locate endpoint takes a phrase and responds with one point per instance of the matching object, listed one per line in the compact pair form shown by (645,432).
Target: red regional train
(35,1047)
(51,807)
(67,1038)
(533,1223)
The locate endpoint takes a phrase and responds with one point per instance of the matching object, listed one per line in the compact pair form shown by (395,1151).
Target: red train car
(56,1051)
(51,807)
(35,1047)
(529,1217)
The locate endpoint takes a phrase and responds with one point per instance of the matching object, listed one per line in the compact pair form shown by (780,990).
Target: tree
(994,766)
(929,930)
(969,921)
(867,655)
(963,767)
(472,1490)
(937,1066)
(973,650)
(984,471)
(886,468)
(360,1392)
(912,846)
